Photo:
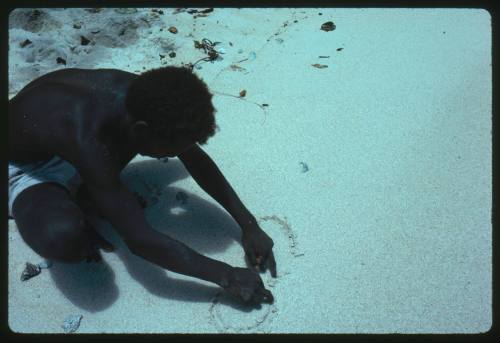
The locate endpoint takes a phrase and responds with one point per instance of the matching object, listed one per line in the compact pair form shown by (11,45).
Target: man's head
(171,110)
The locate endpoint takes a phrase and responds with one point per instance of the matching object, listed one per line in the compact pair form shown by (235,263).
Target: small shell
(172,29)
(30,271)
(72,323)
(243,93)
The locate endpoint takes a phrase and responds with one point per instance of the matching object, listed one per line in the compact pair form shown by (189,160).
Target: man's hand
(247,286)
(258,249)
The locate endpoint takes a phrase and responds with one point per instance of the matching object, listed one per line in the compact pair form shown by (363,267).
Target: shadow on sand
(201,225)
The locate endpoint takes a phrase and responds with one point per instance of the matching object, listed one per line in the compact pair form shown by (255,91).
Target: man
(72,131)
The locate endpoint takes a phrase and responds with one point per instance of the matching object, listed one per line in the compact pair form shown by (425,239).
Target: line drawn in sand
(229,317)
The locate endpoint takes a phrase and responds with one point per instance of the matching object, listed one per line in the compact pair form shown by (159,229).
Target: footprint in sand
(227,315)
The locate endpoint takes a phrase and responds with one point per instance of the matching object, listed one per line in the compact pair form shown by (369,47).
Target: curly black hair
(174,102)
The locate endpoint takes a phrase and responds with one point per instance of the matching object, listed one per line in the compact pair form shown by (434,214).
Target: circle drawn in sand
(230,316)
(235,317)
(287,230)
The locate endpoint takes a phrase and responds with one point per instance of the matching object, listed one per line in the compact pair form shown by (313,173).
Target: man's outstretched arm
(256,243)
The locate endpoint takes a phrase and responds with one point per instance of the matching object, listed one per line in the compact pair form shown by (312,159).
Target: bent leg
(52,224)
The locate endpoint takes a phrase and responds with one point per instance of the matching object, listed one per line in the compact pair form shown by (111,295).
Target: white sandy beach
(372,175)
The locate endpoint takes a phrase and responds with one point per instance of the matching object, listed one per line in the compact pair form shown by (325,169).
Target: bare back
(58,112)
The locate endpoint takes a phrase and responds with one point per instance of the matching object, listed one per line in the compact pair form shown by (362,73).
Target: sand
(372,175)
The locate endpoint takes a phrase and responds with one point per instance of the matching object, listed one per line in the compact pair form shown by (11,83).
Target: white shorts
(25,175)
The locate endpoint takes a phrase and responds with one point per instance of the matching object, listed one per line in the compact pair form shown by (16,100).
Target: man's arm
(123,211)
(208,176)
(256,243)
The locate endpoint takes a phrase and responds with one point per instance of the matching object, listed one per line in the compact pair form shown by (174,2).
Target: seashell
(72,323)
(30,271)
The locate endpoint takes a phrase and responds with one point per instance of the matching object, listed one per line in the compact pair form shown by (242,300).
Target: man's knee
(51,223)
(67,241)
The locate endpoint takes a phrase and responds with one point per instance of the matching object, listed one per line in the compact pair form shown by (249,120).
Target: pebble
(328,26)
(305,168)
(72,323)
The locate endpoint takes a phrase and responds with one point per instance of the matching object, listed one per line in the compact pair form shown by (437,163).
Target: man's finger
(259,266)
(252,260)
(271,262)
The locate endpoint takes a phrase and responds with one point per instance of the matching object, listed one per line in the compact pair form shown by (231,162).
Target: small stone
(172,54)
(77,26)
(328,26)
(304,166)
(26,42)
(84,41)
(172,29)
(60,60)
(340,49)
(72,323)
(30,271)
(243,93)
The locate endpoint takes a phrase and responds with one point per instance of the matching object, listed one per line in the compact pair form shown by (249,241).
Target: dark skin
(80,115)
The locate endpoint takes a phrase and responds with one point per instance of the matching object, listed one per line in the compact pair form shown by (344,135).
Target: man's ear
(141,129)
